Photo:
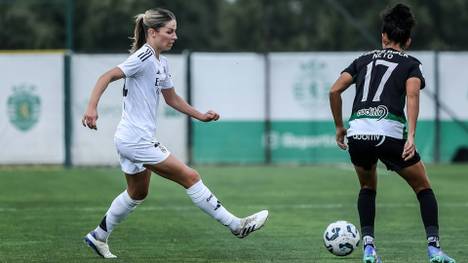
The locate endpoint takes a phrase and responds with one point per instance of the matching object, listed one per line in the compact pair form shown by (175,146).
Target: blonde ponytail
(139,33)
(152,18)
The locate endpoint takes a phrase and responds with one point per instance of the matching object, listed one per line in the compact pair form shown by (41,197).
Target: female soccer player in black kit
(379,130)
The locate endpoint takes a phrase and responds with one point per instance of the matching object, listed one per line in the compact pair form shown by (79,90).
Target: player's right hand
(340,138)
(89,119)
(409,150)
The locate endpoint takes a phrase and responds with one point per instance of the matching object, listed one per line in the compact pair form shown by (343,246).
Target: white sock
(122,205)
(206,201)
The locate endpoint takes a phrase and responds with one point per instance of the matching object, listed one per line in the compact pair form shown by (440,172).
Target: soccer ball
(341,238)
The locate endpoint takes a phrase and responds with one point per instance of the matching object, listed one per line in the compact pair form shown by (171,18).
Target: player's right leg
(414,173)
(436,255)
(121,207)
(250,224)
(173,169)
(415,176)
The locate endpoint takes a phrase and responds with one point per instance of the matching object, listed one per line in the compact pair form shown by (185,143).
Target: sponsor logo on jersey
(158,79)
(378,112)
(24,107)
(367,137)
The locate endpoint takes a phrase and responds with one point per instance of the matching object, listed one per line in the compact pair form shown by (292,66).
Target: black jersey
(380,77)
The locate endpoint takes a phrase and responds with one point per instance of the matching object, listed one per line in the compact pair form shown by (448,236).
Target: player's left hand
(409,149)
(210,116)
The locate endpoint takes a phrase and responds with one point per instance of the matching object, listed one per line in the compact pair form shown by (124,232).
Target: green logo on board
(24,107)
(311,88)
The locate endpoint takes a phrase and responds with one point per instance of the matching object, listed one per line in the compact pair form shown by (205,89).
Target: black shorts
(365,150)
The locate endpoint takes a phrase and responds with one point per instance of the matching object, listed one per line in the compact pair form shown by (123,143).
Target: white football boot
(101,248)
(251,223)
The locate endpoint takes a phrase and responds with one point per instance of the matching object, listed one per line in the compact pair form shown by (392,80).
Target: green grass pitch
(45,212)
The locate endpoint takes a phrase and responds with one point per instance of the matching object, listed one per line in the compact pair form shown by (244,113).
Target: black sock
(429,215)
(366,208)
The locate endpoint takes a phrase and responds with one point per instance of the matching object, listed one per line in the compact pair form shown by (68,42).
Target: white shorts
(134,155)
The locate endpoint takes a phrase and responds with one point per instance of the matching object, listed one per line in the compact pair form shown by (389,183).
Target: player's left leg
(366,209)
(366,201)
(363,156)
(415,176)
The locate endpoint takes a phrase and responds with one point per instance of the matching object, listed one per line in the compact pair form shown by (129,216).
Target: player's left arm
(175,101)
(413,87)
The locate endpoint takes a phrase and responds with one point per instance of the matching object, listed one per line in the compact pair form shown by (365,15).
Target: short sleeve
(351,69)
(416,71)
(131,66)
(166,82)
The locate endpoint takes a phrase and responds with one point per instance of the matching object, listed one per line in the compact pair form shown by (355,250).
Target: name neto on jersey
(380,77)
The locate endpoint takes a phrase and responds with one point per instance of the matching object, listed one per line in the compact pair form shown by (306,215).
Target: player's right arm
(90,116)
(340,85)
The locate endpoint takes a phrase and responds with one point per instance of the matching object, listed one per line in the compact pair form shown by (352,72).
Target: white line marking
(192,207)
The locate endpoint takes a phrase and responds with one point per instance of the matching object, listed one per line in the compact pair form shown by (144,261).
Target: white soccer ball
(341,238)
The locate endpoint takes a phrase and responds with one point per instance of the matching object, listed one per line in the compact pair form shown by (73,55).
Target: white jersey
(145,76)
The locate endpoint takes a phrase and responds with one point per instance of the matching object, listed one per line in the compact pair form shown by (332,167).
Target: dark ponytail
(397,23)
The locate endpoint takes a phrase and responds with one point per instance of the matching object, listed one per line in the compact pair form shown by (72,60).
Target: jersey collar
(389,48)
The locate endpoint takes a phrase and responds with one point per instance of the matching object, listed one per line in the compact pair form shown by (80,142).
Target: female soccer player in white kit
(147,75)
